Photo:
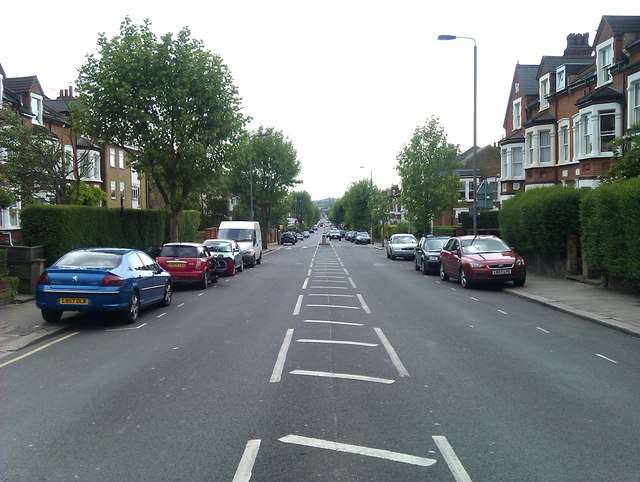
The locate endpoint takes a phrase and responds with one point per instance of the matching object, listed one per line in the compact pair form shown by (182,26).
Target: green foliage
(427,168)
(188,225)
(609,219)
(540,220)
(84,195)
(4,264)
(169,97)
(357,213)
(303,209)
(628,165)
(60,228)
(402,227)
(487,221)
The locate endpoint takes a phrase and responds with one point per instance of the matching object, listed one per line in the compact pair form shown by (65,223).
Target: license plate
(497,272)
(177,264)
(74,301)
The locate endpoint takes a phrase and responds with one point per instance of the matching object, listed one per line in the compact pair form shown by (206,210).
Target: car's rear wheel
(415,264)
(443,275)
(388,255)
(168,294)
(131,315)
(463,279)
(425,271)
(204,281)
(259,260)
(51,316)
(241,266)
(252,263)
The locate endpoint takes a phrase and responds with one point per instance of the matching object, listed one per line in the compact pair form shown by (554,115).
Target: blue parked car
(102,279)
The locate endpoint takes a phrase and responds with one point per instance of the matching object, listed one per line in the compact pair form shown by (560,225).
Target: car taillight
(198,264)
(112,280)
(43,279)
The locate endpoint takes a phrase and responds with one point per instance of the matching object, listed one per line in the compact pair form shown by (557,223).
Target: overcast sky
(347,81)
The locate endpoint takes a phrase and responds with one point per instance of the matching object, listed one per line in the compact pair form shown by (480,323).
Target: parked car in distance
(227,255)
(305,234)
(477,259)
(401,245)
(427,253)
(335,234)
(248,234)
(362,237)
(299,237)
(188,263)
(102,279)
(288,238)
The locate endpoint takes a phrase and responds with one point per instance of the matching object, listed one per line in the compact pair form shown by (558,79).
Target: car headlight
(520,262)
(476,265)
(248,251)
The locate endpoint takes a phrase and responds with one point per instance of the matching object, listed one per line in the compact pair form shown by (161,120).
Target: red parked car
(478,259)
(188,263)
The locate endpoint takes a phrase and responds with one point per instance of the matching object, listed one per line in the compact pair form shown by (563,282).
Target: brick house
(563,113)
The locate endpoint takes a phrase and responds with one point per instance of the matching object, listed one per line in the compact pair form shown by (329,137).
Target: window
(517,119)
(544,146)
(561,78)
(121,159)
(633,92)
(564,143)
(530,148)
(505,163)
(113,189)
(36,108)
(135,194)
(544,92)
(604,60)
(112,157)
(518,169)
(122,189)
(587,143)
(607,130)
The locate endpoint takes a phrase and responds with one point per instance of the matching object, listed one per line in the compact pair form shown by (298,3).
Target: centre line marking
(364,305)
(542,329)
(296,310)
(336,342)
(345,376)
(243,473)
(304,285)
(608,359)
(452,460)
(395,359)
(503,312)
(333,322)
(38,349)
(346,272)
(282,356)
(359,450)
(353,285)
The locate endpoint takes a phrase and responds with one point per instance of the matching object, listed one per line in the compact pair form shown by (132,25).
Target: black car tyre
(168,294)
(252,263)
(463,279)
(241,266)
(131,315)
(443,275)
(388,255)
(259,260)
(415,264)
(425,271)
(519,282)
(204,282)
(51,316)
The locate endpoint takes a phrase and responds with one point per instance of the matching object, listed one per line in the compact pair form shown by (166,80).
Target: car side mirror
(455,252)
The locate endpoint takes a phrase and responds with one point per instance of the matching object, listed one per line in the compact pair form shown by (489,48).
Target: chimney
(71,88)
(60,92)
(578,45)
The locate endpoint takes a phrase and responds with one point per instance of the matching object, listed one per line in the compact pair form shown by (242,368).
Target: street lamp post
(475,122)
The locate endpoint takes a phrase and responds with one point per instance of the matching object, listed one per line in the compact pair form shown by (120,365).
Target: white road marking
(331,294)
(243,472)
(128,328)
(503,312)
(38,349)
(282,357)
(180,305)
(309,273)
(474,299)
(346,272)
(395,359)
(296,310)
(337,342)
(329,287)
(311,265)
(200,294)
(542,329)
(353,285)
(161,315)
(364,305)
(452,460)
(329,281)
(335,306)
(333,322)
(606,358)
(359,450)
(345,376)
(304,285)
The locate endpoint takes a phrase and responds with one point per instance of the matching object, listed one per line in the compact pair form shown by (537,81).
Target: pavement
(21,324)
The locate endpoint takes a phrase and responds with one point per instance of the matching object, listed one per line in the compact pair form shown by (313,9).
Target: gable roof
(23,85)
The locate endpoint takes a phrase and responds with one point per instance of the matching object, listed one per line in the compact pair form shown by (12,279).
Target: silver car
(401,246)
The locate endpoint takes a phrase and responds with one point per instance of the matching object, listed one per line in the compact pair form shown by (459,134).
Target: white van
(248,235)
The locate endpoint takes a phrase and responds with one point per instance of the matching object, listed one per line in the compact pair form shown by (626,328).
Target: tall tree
(627,149)
(380,205)
(303,208)
(263,176)
(357,212)
(427,168)
(170,99)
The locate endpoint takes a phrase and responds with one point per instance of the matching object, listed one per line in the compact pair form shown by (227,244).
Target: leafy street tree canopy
(628,165)
(427,168)
(171,100)
(265,169)
(303,209)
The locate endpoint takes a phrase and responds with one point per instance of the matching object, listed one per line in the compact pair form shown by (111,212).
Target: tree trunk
(173,226)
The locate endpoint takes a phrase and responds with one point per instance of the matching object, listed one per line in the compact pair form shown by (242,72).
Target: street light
(475,121)
(370,216)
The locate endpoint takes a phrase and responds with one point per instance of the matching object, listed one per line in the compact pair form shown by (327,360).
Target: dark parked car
(476,259)
(189,263)
(102,279)
(427,253)
(401,245)
(227,254)
(362,237)
(335,234)
(288,238)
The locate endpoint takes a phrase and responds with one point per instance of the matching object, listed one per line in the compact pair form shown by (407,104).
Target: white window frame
(517,173)
(37,116)
(529,147)
(517,114)
(610,134)
(544,91)
(112,157)
(561,78)
(121,159)
(122,189)
(592,114)
(604,60)
(564,141)
(544,146)
(113,190)
(633,99)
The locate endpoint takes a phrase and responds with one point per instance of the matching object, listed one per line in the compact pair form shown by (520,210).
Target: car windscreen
(436,244)
(90,259)
(404,239)
(237,234)
(491,245)
(179,252)
(219,246)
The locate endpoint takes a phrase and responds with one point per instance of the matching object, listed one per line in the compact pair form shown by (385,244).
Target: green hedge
(610,231)
(487,221)
(4,264)
(540,220)
(60,228)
